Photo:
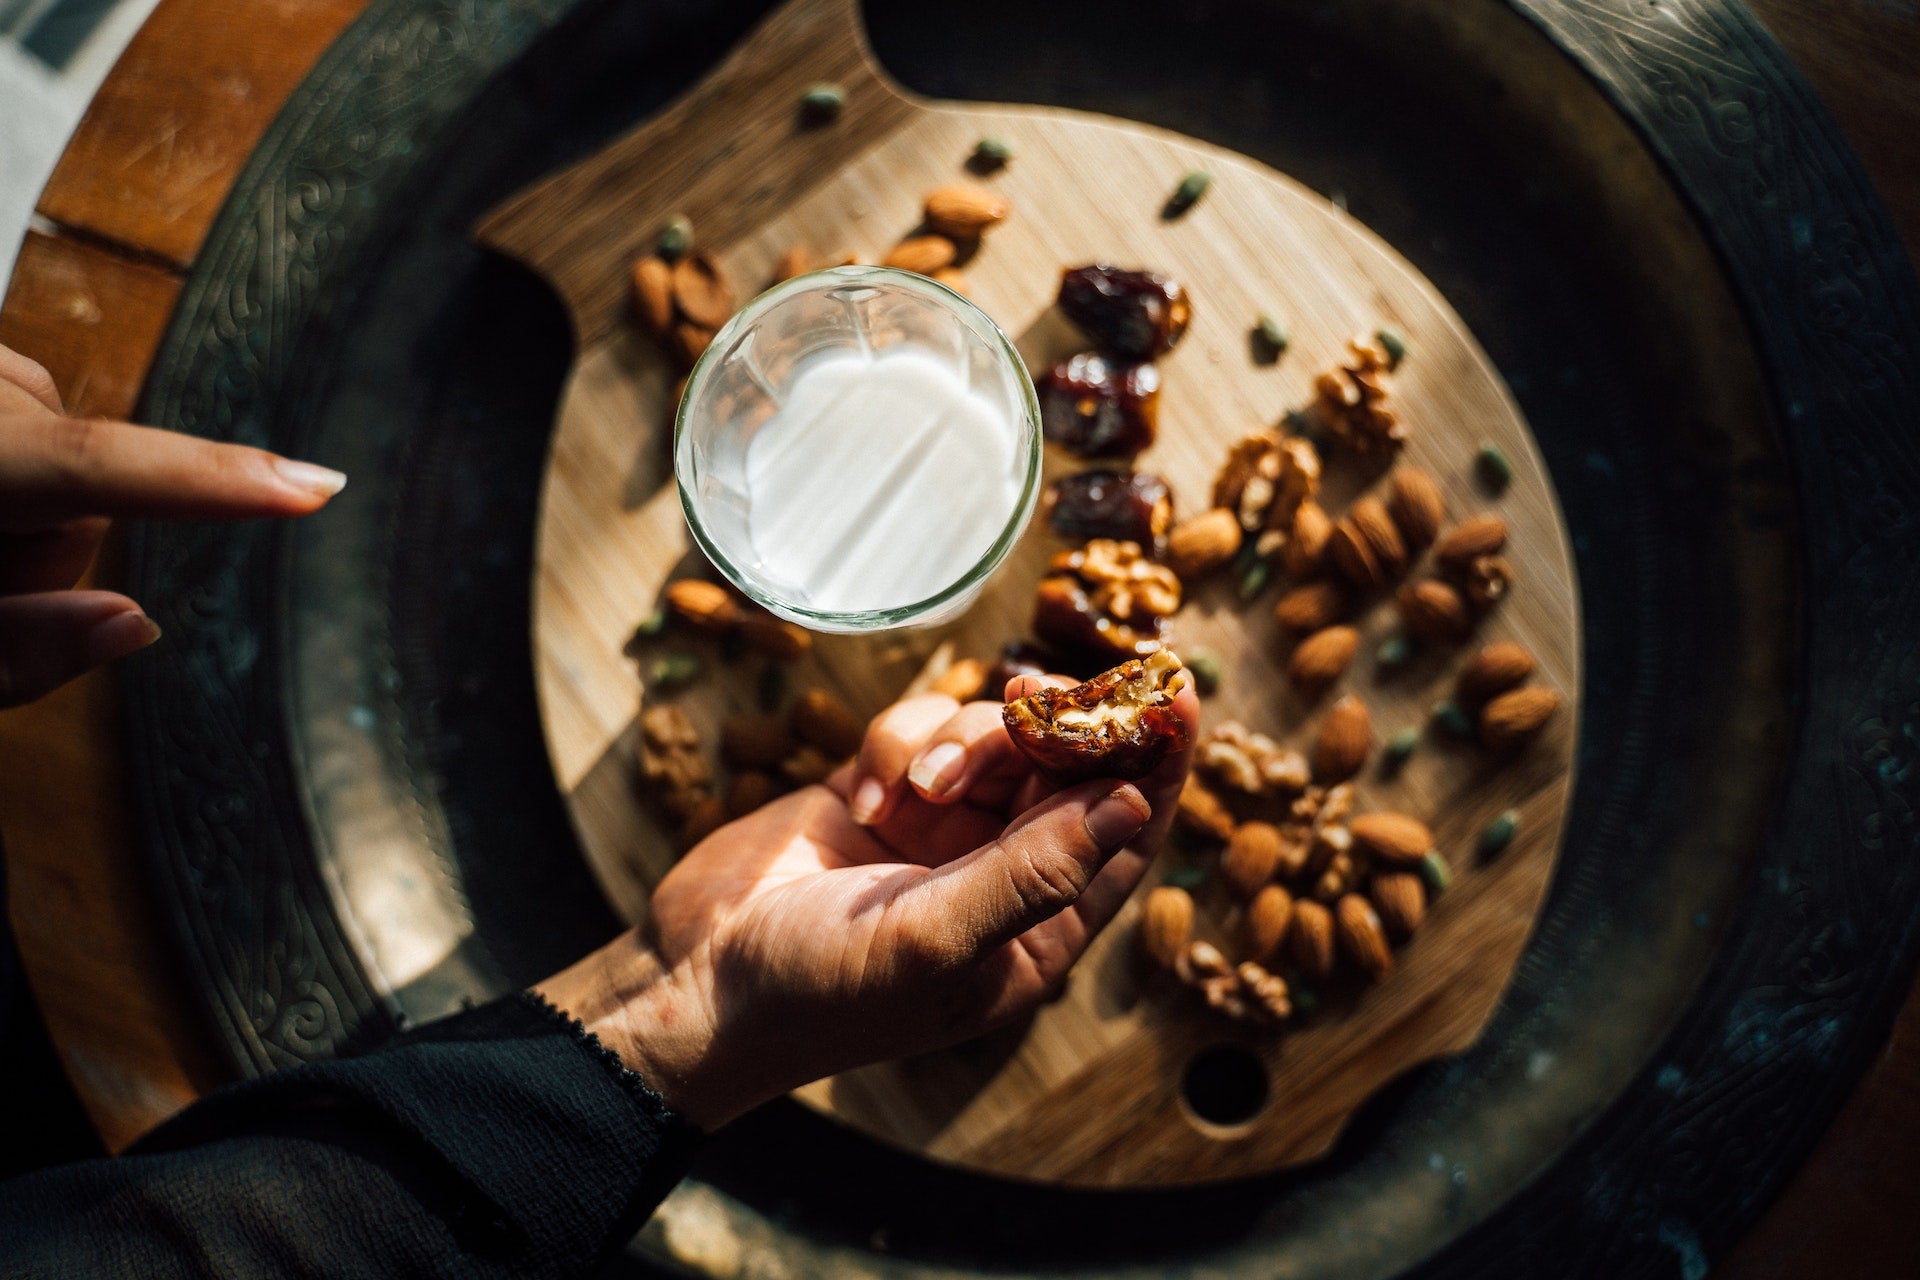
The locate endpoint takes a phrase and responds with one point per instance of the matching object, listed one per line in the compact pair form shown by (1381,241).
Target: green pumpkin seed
(671,670)
(1495,471)
(823,101)
(675,238)
(1188,193)
(1433,870)
(653,624)
(1499,833)
(1184,877)
(1393,342)
(1206,671)
(1399,747)
(1272,332)
(1394,651)
(991,152)
(1450,717)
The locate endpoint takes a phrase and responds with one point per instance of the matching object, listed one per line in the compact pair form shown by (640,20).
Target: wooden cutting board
(1089,1092)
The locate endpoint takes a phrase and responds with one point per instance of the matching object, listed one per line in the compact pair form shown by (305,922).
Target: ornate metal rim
(1833,310)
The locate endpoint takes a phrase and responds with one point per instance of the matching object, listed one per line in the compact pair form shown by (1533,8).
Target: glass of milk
(858,449)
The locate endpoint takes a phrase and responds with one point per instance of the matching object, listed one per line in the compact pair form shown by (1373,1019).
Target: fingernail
(866,800)
(1120,813)
(935,770)
(122,634)
(309,477)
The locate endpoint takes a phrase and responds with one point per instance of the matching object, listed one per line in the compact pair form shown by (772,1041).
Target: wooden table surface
(129,207)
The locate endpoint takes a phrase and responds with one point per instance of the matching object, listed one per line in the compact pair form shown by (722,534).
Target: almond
(1311,607)
(749,789)
(820,718)
(962,681)
(1318,660)
(955,279)
(1417,507)
(1268,916)
(1497,668)
(1432,611)
(806,766)
(1310,939)
(1511,719)
(701,290)
(922,254)
(1201,812)
(796,261)
(1349,552)
(964,212)
(1369,516)
(1166,923)
(1251,857)
(687,341)
(653,293)
(1393,838)
(1363,937)
(1476,536)
(1346,736)
(1201,544)
(706,817)
(1401,899)
(1305,553)
(755,742)
(775,637)
(705,606)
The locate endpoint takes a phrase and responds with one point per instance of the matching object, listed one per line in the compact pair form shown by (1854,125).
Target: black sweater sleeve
(504,1141)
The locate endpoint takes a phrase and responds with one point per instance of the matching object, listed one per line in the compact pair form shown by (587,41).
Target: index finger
(57,469)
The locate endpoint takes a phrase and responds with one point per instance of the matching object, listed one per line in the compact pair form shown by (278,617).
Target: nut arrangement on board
(1291,884)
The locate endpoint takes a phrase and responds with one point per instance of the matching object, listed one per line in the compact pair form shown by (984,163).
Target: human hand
(63,479)
(798,942)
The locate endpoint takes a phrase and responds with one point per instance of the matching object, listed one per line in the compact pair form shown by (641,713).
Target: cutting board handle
(565,228)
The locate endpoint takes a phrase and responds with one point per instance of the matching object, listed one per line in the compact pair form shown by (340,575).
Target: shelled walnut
(1266,478)
(1350,400)
(1249,762)
(1106,598)
(672,762)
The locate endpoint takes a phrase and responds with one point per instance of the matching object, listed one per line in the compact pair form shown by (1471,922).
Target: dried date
(1120,724)
(1099,407)
(1128,506)
(1135,315)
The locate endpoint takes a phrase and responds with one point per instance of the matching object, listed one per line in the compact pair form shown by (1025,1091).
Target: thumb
(1036,869)
(49,638)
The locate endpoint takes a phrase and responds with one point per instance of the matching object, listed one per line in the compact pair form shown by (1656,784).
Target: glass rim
(990,560)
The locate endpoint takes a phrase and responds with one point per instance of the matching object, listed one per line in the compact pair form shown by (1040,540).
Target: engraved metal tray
(1653,229)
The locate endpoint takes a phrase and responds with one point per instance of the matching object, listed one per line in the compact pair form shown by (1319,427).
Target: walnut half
(1120,724)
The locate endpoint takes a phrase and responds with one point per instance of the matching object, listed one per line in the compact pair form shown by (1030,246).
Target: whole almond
(1311,607)
(1251,857)
(1369,516)
(1318,660)
(1432,611)
(962,681)
(1268,916)
(1508,721)
(1349,552)
(1363,937)
(1497,668)
(701,290)
(1346,736)
(1305,554)
(955,279)
(1417,507)
(1201,811)
(707,607)
(1393,838)
(1476,536)
(687,341)
(923,254)
(775,637)
(653,293)
(706,817)
(820,718)
(964,212)
(1166,924)
(748,790)
(755,742)
(796,261)
(1401,899)
(1200,544)
(1310,939)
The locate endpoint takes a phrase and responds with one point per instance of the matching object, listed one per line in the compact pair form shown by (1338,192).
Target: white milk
(880,480)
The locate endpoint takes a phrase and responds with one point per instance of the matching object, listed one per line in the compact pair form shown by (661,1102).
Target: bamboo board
(1088,1092)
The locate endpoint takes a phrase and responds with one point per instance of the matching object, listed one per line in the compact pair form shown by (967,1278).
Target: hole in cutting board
(1224,1086)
